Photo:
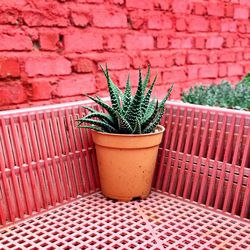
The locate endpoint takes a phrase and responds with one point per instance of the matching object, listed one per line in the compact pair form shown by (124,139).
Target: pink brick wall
(50,50)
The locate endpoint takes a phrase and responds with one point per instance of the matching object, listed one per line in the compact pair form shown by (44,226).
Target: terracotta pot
(126,163)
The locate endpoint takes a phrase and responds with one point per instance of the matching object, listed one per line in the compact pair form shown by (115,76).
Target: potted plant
(127,137)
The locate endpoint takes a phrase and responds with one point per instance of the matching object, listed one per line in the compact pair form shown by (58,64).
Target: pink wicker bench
(49,188)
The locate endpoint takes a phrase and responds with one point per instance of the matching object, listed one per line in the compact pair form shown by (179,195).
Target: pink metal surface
(160,222)
(45,162)
(44,159)
(205,157)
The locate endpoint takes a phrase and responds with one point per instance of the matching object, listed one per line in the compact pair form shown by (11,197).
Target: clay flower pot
(126,163)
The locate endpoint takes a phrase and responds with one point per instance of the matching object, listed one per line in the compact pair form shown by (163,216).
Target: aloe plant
(128,113)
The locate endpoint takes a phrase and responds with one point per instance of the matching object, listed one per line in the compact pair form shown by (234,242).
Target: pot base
(125,199)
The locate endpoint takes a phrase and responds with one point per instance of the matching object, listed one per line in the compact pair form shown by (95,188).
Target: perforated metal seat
(49,196)
(160,222)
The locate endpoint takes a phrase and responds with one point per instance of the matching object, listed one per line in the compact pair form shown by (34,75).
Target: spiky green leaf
(102,116)
(119,91)
(145,82)
(134,109)
(127,96)
(114,97)
(109,109)
(150,117)
(162,103)
(147,97)
(152,125)
(101,124)
(137,128)
(89,108)
(150,110)
(92,127)
(124,126)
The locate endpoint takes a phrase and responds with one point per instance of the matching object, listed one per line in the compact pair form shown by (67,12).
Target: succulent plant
(128,113)
(221,95)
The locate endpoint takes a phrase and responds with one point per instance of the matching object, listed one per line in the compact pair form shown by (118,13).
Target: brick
(162,42)
(197,59)
(214,42)
(229,43)
(118,1)
(161,4)
(76,85)
(117,61)
(174,75)
(139,60)
(245,2)
(244,42)
(187,43)
(41,90)
(12,93)
(242,28)
(137,19)
(248,28)
(235,70)
(139,42)
(169,61)
(48,16)
(192,72)
(16,42)
(237,43)
(222,70)
(101,82)
(229,10)
(79,19)
(215,25)
(105,19)
(227,57)
(247,55)
(175,43)
(247,68)
(239,56)
(199,9)
(82,41)
(47,66)
(229,26)
(49,41)
(133,76)
(10,3)
(213,56)
(156,60)
(215,9)
(200,42)
(159,22)
(180,6)
(146,4)
(197,23)
(241,13)
(180,59)
(9,67)
(91,1)
(9,16)
(161,91)
(83,65)
(181,24)
(208,71)
(114,41)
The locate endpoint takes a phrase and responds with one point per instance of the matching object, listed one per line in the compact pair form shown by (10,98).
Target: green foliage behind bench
(221,95)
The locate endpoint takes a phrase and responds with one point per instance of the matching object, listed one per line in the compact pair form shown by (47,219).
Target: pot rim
(162,129)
